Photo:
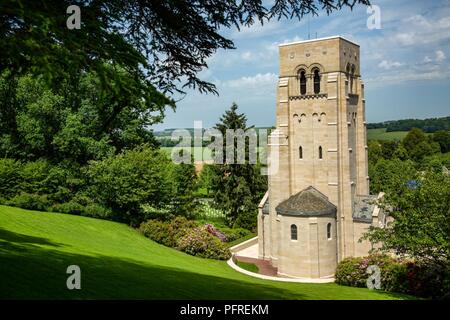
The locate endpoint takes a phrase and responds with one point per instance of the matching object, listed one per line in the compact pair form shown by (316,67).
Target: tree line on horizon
(429,125)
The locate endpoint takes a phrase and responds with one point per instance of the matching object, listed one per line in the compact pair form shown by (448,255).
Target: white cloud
(251,82)
(423,31)
(247,55)
(427,59)
(440,56)
(387,65)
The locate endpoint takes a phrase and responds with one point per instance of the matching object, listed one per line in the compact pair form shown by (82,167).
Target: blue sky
(405,65)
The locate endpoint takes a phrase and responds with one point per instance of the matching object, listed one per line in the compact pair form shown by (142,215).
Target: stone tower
(317,206)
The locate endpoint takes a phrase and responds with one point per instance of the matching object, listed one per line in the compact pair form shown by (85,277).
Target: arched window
(329,231)
(316,81)
(293,232)
(302,82)
(320,152)
(300,152)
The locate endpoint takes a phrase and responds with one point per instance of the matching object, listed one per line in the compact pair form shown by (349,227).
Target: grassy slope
(117,262)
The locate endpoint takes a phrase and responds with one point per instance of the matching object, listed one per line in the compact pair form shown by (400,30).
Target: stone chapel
(318,205)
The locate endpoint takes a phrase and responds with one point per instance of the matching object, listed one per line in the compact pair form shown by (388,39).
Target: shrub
(96,210)
(9,177)
(71,207)
(199,242)
(351,272)
(233,234)
(29,201)
(178,227)
(156,230)
(428,281)
(216,232)
(186,236)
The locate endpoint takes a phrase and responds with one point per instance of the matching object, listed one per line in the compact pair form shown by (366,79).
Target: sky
(405,64)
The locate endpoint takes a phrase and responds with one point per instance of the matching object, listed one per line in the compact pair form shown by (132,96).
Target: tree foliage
(418,145)
(420,228)
(237,188)
(130,180)
(166,42)
(427,125)
(37,121)
(184,181)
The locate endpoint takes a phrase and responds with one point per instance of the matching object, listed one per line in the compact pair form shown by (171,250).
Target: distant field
(372,134)
(381,134)
(196,151)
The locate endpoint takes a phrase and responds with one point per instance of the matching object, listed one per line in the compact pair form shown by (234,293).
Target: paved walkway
(266,270)
(264,267)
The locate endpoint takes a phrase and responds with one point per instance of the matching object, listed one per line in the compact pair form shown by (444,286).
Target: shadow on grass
(28,271)
(9,236)
(34,272)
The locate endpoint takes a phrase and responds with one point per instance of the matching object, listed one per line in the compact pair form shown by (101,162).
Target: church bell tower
(320,146)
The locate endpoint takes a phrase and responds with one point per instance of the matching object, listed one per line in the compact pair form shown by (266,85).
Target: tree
(166,42)
(418,145)
(185,183)
(388,148)
(127,182)
(77,122)
(414,137)
(400,152)
(237,188)
(443,138)
(374,151)
(206,177)
(387,175)
(420,228)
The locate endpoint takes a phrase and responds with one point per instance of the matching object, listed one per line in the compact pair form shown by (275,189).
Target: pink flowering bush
(187,236)
(353,272)
(200,242)
(216,232)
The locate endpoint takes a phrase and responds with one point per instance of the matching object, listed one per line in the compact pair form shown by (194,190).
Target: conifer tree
(185,183)
(237,188)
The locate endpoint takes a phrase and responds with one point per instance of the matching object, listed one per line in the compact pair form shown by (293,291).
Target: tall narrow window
(302,82)
(329,231)
(316,81)
(352,75)
(300,152)
(320,152)
(293,232)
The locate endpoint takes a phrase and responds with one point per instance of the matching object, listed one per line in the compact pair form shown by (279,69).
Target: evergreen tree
(237,188)
(185,183)
(206,177)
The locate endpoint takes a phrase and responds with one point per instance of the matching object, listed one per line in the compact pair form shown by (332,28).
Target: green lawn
(117,263)
(248,266)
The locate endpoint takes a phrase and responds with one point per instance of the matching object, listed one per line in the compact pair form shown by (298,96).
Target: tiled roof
(363,208)
(309,203)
